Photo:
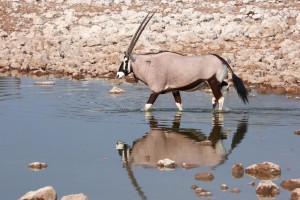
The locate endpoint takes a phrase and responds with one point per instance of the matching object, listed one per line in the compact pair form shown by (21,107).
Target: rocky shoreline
(260,38)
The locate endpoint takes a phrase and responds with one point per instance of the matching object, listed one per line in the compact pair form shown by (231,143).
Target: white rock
(166,163)
(47,193)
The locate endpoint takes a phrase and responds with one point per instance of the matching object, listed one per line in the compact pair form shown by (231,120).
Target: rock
(204,176)
(202,192)
(36,166)
(116,90)
(237,170)
(224,187)
(46,193)
(267,188)
(166,164)
(252,183)
(265,171)
(235,190)
(290,184)
(295,194)
(80,196)
(189,166)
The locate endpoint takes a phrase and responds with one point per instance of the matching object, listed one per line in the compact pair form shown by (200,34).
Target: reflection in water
(9,88)
(183,145)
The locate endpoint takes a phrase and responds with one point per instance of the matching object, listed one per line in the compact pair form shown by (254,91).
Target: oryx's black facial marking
(124,69)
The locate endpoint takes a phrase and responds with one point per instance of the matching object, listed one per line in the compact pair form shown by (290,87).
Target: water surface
(74,127)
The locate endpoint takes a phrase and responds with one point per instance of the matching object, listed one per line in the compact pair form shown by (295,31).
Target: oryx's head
(125,67)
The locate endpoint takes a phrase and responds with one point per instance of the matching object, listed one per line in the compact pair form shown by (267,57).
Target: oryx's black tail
(237,82)
(240,88)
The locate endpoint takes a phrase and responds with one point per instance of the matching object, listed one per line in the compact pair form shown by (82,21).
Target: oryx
(171,72)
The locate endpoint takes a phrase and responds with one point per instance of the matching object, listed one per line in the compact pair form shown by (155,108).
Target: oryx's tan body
(167,71)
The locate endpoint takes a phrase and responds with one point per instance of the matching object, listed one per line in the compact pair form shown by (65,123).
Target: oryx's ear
(132,57)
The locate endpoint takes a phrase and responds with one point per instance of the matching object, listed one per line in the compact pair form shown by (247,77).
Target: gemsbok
(167,72)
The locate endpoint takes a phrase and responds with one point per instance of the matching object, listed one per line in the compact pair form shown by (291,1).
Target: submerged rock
(267,188)
(116,90)
(237,170)
(36,166)
(204,176)
(290,184)
(264,171)
(46,193)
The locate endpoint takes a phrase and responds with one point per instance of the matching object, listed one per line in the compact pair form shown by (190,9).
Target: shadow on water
(182,145)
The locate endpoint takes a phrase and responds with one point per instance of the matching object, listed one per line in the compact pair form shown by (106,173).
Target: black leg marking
(152,98)
(177,97)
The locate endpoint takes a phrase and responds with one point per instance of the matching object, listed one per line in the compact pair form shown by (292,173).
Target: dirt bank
(260,38)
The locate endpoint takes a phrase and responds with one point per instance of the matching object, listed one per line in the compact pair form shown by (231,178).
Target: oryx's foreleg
(216,88)
(177,98)
(151,100)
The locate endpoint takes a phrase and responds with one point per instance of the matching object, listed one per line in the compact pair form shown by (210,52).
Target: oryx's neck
(140,67)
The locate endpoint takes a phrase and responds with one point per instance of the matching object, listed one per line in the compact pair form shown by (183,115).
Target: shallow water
(74,127)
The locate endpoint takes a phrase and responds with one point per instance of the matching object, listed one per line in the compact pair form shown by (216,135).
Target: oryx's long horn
(138,34)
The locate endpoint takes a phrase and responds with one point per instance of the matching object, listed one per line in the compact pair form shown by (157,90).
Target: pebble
(237,170)
(204,176)
(235,190)
(36,166)
(224,187)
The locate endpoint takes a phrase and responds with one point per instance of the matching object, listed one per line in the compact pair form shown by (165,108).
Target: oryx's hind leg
(177,99)
(216,88)
(151,101)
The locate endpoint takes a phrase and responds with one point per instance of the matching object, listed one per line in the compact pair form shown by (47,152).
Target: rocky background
(87,38)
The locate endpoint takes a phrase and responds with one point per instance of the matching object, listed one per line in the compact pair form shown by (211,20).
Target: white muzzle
(120,74)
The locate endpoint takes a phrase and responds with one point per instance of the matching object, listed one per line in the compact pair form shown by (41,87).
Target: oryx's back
(167,70)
